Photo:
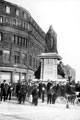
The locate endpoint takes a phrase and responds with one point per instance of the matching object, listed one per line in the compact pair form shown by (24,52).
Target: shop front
(5,76)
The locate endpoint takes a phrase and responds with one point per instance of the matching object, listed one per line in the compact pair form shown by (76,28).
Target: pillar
(12,76)
(42,67)
(20,77)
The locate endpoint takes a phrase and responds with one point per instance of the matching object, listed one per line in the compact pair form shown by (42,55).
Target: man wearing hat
(4,88)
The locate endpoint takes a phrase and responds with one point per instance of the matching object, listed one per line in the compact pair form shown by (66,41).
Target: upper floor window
(1,19)
(17,58)
(7,9)
(17,12)
(23,25)
(30,60)
(17,23)
(12,38)
(6,56)
(16,39)
(14,22)
(7,20)
(26,42)
(24,15)
(0,36)
(23,41)
(20,40)
(24,59)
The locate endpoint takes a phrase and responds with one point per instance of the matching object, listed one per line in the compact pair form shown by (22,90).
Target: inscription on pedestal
(50,69)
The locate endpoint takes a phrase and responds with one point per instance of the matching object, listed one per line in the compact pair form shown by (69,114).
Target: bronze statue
(51,41)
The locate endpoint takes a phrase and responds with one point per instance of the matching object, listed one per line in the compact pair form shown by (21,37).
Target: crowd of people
(32,92)
(6,91)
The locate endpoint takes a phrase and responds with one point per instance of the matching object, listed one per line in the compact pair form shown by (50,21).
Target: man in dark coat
(4,89)
(22,92)
(43,93)
(18,86)
(10,89)
(49,84)
(35,95)
(40,89)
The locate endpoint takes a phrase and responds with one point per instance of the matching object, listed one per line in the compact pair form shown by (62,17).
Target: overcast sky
(64,16)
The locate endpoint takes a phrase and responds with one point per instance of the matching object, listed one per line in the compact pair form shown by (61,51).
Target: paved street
(14,111)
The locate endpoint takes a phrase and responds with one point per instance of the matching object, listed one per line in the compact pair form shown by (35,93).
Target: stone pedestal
(49,66)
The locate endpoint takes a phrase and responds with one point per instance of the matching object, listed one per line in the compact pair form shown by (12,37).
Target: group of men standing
(5,90)
(39,90)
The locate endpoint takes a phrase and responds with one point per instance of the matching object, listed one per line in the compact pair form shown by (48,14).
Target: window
(24,15)
(12,38)
(1,19)
(23,41)
(16,39)
(30,60)
(6,56)
(20,40)
(17,12)
(23,25)
(14,22)
(24,59)
(26,26)
(7,9)
(7,20)
(26,42)
(17,58)
(19,23)
(0,36)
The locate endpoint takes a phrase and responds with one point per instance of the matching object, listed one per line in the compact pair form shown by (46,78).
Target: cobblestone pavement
(11,110)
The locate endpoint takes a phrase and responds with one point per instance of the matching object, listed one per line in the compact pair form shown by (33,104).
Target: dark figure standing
(22,93)
(10,89)
(4,89)
(40,89)
(49,95)
(18,86)
(49,92)
(35,96)
(54,96)
(43,93)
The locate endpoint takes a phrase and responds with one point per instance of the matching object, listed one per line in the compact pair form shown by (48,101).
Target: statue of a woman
(51,41)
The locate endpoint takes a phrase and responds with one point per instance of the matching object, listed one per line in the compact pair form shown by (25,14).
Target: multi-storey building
(21,40)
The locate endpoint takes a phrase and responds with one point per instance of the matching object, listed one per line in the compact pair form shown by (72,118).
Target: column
(20,77)
(12,76)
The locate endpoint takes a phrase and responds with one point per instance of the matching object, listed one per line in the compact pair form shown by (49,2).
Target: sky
(64,16)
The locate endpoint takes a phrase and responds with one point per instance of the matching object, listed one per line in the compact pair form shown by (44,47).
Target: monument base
(49,63)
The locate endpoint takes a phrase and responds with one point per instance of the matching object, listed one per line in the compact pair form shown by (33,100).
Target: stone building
(21,40)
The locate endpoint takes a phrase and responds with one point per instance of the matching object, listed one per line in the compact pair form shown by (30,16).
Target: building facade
(21,41)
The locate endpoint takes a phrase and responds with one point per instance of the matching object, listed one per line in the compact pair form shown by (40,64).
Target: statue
(60,69)
(51,41)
